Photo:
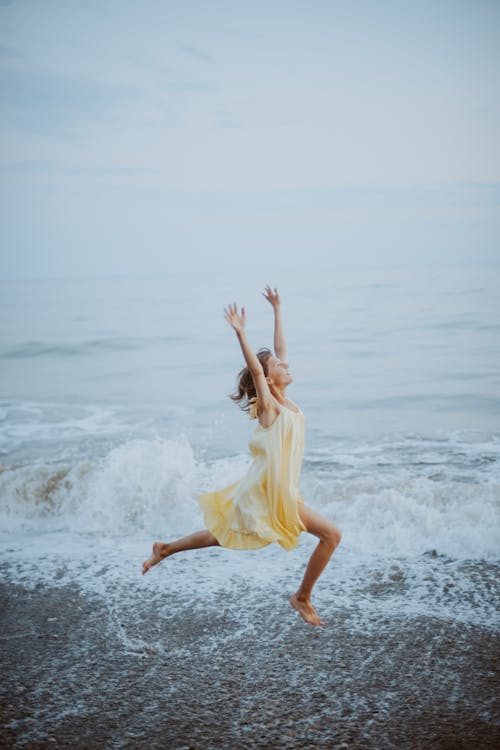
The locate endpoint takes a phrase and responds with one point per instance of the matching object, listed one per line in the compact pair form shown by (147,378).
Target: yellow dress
(262,507)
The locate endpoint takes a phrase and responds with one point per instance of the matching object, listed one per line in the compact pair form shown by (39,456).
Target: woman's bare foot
(160,552)
(306,610)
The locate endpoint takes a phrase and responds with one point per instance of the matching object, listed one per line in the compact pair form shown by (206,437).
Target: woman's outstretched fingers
(272,297)
(236,320)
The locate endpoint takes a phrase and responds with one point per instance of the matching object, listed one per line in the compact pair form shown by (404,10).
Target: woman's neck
(279,395)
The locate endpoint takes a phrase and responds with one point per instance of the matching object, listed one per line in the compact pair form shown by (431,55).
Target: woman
(265,506)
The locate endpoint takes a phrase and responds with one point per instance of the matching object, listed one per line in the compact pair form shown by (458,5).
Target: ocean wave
(35,349)
(61,431)
(152,486)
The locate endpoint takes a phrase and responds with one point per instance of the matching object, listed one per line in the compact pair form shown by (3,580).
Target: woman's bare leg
(161,550)
(329,538)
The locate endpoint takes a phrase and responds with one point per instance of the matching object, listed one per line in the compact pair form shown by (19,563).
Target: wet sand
(72,677)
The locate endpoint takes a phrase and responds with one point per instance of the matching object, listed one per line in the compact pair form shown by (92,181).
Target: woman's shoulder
(265,411)
(268,414)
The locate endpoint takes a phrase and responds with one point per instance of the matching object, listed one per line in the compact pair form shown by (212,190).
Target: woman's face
(277,372)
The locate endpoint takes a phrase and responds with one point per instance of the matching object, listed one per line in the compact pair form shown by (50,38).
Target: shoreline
(77,674)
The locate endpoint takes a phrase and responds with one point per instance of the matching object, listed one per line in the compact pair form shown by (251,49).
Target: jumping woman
(265,506)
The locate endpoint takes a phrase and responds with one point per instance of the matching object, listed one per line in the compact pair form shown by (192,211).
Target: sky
(141,137)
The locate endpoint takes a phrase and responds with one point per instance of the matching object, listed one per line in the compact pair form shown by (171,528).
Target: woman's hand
(272,297)
(236,320)
(279,337)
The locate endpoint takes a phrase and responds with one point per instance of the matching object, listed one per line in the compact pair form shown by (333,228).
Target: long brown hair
(246,387)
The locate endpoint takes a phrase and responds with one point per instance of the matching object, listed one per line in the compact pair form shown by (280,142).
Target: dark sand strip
(75,682)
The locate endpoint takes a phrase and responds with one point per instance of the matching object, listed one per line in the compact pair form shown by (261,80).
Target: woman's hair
(246,387)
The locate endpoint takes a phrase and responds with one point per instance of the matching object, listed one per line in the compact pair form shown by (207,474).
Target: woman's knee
(320,526)
(332,536)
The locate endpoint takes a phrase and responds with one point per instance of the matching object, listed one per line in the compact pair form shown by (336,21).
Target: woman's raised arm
(279,336)
(237,322)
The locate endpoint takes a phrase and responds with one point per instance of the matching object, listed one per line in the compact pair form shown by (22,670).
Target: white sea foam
(367,588)
(150,485)
(411,516)
(137,485)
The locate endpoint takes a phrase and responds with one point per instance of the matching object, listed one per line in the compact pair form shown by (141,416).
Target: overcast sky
(137,137)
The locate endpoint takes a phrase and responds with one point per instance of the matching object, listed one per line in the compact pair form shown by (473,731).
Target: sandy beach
(72,677)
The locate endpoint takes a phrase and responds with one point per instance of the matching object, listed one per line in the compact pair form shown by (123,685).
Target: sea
(115,414)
